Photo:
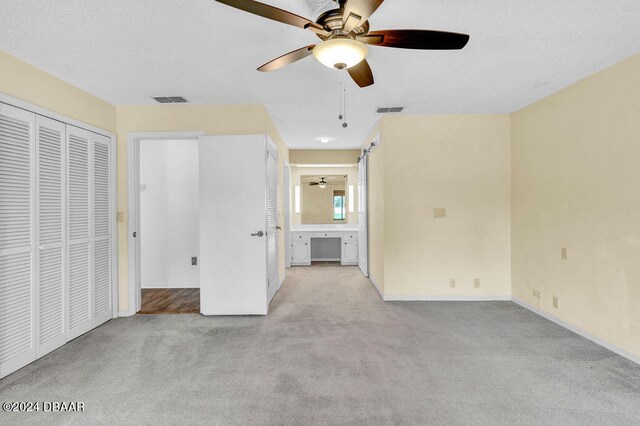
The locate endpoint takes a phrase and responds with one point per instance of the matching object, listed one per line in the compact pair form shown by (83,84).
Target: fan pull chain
(343,101)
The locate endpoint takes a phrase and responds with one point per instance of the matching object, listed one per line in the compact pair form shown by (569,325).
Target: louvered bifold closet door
(50,236)
(272,221)
(102,290)
(79,186)
(17,345)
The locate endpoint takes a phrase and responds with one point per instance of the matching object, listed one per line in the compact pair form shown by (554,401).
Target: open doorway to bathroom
(168,231)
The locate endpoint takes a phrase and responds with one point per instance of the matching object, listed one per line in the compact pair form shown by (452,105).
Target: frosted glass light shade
(340,53)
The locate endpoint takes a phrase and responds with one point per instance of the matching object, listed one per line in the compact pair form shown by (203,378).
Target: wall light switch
(120,217)
(439,213)
(563,253)
(476,283)
(555,302)
(537,293)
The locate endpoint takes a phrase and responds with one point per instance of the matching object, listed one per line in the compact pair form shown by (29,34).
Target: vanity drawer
(326,235)
(297,236)
(350,236)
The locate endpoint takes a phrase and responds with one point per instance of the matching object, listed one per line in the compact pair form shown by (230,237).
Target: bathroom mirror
(323,199)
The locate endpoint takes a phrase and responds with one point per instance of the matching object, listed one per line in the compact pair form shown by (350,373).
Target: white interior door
(50,235)
(233,249)
(273,282)
(101,263)
(287,216)
(363,233)
(17,343)
(79,160)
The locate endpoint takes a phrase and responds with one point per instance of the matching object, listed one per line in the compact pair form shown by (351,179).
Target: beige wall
(576,184)
(461,163)
(352,179)
(26,82)
(324,156)
(212,119)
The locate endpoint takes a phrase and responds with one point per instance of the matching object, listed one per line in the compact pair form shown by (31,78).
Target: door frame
(134,288)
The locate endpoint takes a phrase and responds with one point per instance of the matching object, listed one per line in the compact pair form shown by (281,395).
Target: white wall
(169,213)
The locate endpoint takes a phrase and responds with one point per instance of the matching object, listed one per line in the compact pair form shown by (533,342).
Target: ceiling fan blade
(416,39)
(362,8)
(287,59)
(314,183)
(361,74)
(274,13)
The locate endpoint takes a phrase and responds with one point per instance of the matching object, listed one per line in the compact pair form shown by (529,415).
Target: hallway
(330,351)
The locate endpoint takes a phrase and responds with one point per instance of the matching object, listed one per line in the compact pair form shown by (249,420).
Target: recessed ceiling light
(325,139)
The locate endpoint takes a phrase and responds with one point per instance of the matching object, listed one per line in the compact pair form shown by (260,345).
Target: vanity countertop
(324,228)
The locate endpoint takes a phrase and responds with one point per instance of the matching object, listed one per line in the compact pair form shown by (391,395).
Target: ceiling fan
(345,34)
(322,183)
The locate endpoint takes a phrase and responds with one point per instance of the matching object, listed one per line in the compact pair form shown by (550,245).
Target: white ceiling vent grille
(170,99)
(385,110)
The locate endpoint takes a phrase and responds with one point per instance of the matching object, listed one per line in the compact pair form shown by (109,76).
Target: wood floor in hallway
(170,301)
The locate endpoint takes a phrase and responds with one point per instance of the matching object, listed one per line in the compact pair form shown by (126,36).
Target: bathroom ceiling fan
(322,183)
(345,36)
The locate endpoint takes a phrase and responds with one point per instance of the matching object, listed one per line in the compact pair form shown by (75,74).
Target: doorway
(163,223)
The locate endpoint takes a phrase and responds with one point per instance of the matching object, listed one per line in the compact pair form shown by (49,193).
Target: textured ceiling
(125,51)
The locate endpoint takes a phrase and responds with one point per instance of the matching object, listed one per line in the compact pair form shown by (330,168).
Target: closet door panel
(17,345)
(103,310)
(272,221)
(50,236)
(79,230)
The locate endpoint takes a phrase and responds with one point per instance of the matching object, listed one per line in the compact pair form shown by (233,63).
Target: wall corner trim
(376,286)
(613,348)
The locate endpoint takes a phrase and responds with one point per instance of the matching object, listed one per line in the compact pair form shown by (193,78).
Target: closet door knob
(258,234)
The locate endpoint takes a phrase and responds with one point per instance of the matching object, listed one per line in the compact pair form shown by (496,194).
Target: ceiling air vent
(389,109)
(170,99)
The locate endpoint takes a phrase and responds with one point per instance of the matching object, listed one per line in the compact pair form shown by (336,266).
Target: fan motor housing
(333,21)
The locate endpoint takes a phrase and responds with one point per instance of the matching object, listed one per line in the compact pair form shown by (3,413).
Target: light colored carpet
(331,352)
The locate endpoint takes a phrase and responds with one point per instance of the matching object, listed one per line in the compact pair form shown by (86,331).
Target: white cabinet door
(300,253)
(17,346)
(50,235)
(272,221)
(350,252)
(101,264)
(233,250)
(79,297)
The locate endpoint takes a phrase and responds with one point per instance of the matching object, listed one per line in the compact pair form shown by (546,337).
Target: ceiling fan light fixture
(323,185)
(340,53)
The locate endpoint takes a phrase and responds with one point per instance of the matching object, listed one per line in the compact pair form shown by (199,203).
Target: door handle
(278,228)
(258,234)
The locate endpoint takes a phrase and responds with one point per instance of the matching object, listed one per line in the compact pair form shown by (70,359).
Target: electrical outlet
(555,302)
(563,253)
(194,261)
(120,217)
(537,293)
(452,283)
(476,283)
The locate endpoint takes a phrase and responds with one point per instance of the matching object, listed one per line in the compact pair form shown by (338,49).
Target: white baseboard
(446,298)
(169,285)
(126,314)
(613,348)
(376,286)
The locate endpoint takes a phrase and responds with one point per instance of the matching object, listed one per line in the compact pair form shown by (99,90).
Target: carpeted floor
(331,352)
